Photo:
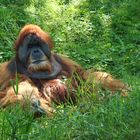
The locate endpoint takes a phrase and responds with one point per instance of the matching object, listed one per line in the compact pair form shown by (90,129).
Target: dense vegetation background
(104,34)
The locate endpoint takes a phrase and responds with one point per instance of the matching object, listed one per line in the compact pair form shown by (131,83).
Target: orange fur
(106,81)
(33,29)
(27,93)
(29,89)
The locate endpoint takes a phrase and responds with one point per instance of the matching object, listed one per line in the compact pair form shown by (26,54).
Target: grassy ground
(96,33)
(91,118)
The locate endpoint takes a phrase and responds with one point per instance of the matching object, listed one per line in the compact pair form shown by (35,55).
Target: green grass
(96,33)
(92,117)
